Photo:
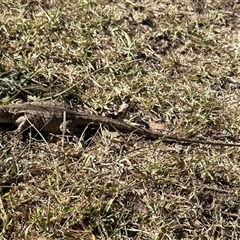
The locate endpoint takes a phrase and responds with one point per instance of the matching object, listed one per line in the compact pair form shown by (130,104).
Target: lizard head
(4,115)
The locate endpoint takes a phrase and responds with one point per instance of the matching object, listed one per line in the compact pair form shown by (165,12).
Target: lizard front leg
(22,124)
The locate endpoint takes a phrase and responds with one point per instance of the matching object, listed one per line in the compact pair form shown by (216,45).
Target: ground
(169,65)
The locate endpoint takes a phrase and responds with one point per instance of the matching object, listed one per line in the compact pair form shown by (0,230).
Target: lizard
(46,117)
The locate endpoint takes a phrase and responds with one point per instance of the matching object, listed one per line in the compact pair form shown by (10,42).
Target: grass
(175,63)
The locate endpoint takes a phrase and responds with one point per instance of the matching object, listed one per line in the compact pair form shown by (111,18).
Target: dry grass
(171,62)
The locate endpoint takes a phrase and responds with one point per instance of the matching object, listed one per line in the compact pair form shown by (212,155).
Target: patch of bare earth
(174,64)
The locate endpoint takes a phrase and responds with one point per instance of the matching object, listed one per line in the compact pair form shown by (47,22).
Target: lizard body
(49,118)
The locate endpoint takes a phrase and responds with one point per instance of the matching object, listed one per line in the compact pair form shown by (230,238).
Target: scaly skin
(46,117)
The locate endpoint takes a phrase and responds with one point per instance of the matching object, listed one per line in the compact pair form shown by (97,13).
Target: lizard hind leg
(77,133)
(70,128)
